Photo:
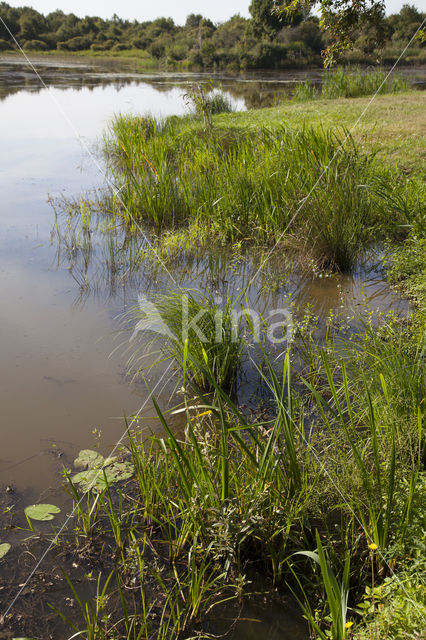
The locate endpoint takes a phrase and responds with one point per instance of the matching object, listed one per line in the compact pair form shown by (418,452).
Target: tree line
(267,40)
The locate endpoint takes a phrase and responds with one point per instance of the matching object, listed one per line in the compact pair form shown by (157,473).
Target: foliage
(100,471)
(255,183)
(267,40)
(343,20)
(202,337)
(336,594)
(42,512)
(236,490)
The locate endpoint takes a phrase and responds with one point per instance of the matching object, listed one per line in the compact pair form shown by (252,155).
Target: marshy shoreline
(318,495)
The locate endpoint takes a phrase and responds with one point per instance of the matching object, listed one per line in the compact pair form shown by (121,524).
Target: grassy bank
(394,126)
(318,491)
(323,493)
(258,177)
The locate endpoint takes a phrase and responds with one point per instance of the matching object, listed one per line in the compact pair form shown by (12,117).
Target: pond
(64,379)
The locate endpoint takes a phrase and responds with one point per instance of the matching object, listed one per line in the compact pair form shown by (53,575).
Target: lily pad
(42,512)
(4,548)
(95,479)
(89,458)
(119,471)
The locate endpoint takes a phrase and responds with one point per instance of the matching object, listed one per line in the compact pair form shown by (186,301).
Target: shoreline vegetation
(259,42)
(322,495)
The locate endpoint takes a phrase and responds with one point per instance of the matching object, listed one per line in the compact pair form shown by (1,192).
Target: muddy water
(58,379)
(62,378)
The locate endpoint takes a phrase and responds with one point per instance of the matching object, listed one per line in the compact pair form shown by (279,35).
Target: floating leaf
(4,548)
(89,458)
(119,471)
(95,479)
(88,479)
(42,511)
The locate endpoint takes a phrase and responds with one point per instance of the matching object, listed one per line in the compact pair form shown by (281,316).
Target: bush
(79,43)
(35,45)
(5,45)
(120,46)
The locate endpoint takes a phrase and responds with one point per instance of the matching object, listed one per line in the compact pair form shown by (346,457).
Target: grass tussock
(350,84)
(200,333)
(306,186)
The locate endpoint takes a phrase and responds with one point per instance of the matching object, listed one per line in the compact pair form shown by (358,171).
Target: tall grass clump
(353,84)
(201,336)
(348,83)
(236,184)
(305,91)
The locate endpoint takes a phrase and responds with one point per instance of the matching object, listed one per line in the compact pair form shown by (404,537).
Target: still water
(63,369)
(61,376)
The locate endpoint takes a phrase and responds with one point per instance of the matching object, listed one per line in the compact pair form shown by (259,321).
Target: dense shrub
(35,45)
(4,45)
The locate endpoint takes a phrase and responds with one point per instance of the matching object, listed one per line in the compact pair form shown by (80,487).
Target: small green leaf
(41,512)
(4,548)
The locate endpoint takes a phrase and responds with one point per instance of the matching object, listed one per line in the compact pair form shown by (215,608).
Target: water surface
(63,375)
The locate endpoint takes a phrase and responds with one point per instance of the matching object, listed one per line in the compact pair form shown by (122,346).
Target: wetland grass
(307,187)
(237,492)
(200,333)
(347,83)
(334,471)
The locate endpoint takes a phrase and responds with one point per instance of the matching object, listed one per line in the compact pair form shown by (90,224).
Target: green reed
(307,186)
(235,489)
(199,325)
(350,83)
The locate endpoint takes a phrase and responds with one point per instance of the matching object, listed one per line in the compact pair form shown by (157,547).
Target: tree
(340,19)
(268,19)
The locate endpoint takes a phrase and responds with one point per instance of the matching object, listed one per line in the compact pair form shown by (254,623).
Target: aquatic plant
(350,83)
(290,185)
(200,333)
(337,594)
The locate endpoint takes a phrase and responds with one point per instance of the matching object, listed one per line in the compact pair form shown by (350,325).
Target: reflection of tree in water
(252,89)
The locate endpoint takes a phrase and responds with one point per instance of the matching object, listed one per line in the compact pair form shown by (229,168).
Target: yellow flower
(348,625)
(373,546)
(205,413)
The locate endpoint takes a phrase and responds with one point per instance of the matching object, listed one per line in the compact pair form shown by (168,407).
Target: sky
(141,10)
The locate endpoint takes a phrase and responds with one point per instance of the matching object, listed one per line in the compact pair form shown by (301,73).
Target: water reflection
(249,90)
(109,262)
